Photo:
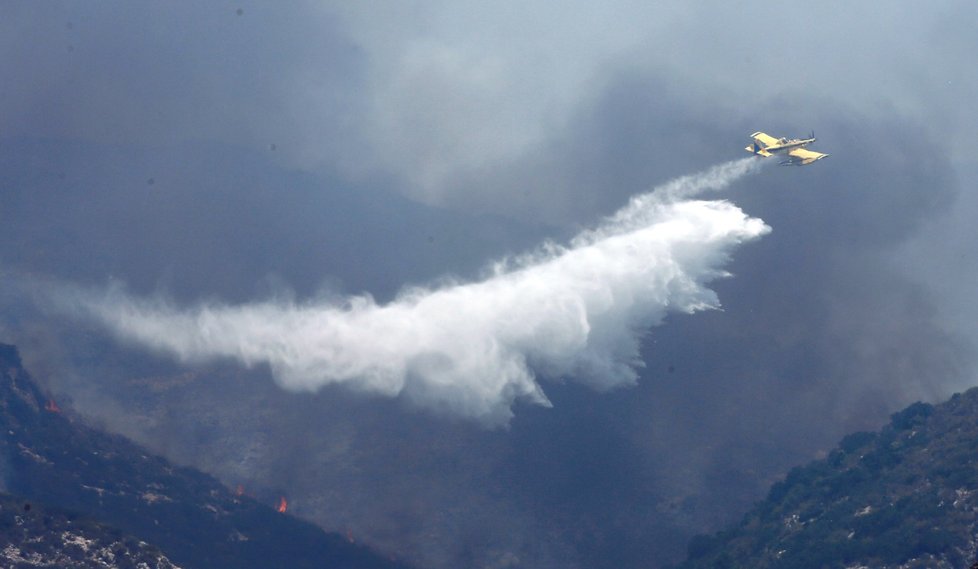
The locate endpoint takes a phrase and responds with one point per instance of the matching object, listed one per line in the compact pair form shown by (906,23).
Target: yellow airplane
(766,145)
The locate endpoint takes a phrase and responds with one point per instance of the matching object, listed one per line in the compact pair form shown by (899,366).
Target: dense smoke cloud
(475,348)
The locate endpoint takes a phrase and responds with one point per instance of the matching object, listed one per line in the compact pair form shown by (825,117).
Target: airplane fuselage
(793,149)
(784,145)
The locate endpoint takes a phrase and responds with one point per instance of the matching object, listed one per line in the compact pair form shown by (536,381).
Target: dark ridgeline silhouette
(55,463)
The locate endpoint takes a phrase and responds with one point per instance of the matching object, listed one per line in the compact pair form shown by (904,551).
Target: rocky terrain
(62,472)
(904,497)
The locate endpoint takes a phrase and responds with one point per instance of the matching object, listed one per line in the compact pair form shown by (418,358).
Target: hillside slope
(35,536)
(905,497)
(50,459)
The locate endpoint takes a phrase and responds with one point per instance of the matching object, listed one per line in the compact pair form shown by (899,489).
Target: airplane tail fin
(757,150)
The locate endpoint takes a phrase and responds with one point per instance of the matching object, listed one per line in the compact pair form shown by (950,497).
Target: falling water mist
(573,311)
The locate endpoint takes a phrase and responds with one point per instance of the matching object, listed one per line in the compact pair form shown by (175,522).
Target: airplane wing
(764,140)
(802,157)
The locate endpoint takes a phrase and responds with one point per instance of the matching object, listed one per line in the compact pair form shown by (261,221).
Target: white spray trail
(472,349)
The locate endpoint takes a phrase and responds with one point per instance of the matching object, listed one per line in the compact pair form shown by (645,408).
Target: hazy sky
(237,152)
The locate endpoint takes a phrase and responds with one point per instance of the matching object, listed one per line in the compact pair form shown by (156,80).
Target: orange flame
(52,407)
(282,505)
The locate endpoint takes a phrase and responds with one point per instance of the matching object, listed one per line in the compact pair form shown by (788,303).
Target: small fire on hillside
(52,407)
(282,505)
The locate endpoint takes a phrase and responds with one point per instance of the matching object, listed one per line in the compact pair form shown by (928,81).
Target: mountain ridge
(56,460)
(903,497)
